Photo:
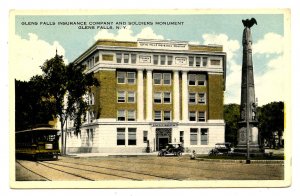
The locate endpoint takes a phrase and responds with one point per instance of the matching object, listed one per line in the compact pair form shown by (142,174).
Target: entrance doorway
(163,137)
(162,142)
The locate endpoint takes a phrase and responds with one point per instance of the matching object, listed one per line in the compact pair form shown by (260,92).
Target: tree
(66,86)
(31,109)
(231,117)
(271,122)
(78,85)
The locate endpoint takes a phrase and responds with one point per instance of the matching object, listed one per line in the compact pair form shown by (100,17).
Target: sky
(37,37)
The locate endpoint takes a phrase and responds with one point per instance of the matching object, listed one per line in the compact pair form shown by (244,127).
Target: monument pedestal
(254,148)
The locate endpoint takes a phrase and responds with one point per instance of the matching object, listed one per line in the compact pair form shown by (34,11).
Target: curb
(243,161)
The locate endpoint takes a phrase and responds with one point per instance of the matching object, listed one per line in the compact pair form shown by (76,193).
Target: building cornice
(133,47)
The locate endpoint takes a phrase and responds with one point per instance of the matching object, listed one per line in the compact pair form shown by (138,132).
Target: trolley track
(43,173)
(89,170)
(32,171)
(80,176)
(203,167)
(121,170)
(140,169)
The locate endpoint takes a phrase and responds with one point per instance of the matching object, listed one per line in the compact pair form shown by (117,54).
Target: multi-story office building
(152,92)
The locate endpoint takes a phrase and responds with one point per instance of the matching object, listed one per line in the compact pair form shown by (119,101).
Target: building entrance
(163,137)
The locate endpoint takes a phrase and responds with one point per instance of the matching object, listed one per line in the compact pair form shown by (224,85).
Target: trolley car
(38,143)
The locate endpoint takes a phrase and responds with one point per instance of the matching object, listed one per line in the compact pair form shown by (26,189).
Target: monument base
(254,150)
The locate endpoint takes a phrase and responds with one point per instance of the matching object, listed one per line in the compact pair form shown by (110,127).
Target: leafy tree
(271,121)
(78,85)
(65,86)
(31,109)
(231,117)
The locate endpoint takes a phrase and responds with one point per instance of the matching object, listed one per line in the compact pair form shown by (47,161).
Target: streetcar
(38,143)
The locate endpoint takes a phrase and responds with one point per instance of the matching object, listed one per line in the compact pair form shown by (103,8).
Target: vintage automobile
(175,149)
(221,149)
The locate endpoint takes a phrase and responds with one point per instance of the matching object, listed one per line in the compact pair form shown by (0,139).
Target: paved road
(143,168)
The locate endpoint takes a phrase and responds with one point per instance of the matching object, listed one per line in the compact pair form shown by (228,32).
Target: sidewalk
(275,151)
(111,154)
(86,155)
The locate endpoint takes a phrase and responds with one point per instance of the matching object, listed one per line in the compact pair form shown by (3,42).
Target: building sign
(144,59)
(164,124)
(180,60)
(163,44)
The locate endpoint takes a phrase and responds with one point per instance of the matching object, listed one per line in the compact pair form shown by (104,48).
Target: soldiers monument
(248,131)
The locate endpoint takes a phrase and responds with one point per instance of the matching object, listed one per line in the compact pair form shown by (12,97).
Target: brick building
(152,92)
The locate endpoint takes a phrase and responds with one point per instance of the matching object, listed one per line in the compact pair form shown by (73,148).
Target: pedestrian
(193,155)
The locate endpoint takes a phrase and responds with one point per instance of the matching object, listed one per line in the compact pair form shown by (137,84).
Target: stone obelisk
(248,119)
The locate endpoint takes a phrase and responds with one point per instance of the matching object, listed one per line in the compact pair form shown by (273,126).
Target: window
(131,77)
(131,97)
(133,58)
(92,116)
(204,136)
(201,116)
(119,57)
(170,60)
(201,78)
(126,58)
(120,136)
(201,98)
(145,136)
(121,77)
(162,59)
(157,115)
(192,97)
(191,61)
(192,79)
(121,115)
(155,59)
(97,59)
(157,78)
(89,141)
(121,96)
(91,62)
(197,79)
(157,97)
(198,61)
(167,115)
(91,99)
(167,78)
(131,115)
(131,136)
(193,136)
(204,61)
(181,136)
(167,97)
(192,116)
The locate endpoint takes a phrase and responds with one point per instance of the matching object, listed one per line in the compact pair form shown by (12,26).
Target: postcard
(150,98)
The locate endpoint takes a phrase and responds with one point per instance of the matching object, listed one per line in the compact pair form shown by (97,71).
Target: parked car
(175,149)
(221,149)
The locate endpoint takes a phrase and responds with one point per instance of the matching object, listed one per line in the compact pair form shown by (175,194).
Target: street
(143,168)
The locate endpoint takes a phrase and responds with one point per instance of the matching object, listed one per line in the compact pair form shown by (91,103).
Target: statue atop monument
(249,23)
